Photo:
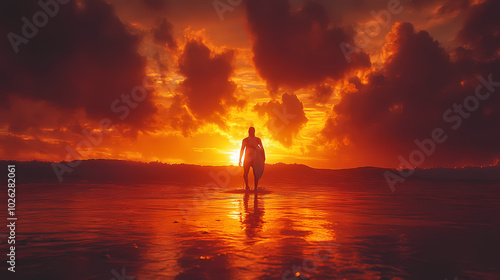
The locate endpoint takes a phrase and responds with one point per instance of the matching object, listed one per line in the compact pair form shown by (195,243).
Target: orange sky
(275,65)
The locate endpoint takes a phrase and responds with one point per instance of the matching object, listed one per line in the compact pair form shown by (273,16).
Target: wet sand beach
(433,230)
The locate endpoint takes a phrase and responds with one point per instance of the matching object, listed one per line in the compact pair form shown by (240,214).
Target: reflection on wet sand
(253,217)
(316,233)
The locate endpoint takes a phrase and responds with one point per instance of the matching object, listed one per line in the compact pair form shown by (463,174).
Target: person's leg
(255,180)
(246,169)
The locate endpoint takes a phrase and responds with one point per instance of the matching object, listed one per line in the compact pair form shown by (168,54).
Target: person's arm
(241,151)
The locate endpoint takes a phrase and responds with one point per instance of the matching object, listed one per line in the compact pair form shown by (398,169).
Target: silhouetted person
(250,147)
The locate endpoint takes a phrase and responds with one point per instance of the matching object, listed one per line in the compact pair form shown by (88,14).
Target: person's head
(251,131)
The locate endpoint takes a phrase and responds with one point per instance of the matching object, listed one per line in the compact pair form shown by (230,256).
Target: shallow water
(423,231)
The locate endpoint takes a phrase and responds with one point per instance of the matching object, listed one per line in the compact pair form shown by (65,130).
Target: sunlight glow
(235,156)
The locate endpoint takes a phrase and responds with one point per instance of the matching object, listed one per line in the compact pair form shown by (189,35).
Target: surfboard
(258,163)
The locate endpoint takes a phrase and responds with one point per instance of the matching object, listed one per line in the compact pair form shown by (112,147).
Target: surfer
(254,157)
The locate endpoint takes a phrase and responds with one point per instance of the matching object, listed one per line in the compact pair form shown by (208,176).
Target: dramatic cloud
(298,48)
(179,118)
(25,113)
(285,118)
(481,29)
(63,66)
(79,57)
(208,89)
(156,4)
(322,93)
(442,6)
(450,6)
(413,95)
(15,146)
(163,35)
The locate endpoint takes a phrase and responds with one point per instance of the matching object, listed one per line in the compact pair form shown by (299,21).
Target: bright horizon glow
(235,157)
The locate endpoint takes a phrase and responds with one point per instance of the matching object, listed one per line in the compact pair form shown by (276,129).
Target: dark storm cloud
(156,4)
(450,6)
(24,113)
(322,93)
(13,146)
(179,118)
(82,57)
(412,95)
(163,35)
(481,30)
(298,48)
(285,118)
(208,87)
(443,6)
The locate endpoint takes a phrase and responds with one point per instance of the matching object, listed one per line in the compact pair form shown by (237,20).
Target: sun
(235,157)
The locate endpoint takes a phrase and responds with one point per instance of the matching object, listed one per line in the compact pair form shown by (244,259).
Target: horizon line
(206,165)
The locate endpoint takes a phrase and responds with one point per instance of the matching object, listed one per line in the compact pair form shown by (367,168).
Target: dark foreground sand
(426,230)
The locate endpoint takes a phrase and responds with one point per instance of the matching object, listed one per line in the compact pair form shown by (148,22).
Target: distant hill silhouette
(130,172)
